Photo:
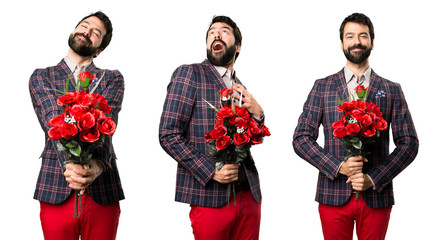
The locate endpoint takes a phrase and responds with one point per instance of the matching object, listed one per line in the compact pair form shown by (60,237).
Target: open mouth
(217,46)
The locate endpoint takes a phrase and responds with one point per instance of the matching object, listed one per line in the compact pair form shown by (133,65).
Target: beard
(225,59)
(358,57)
(81,48)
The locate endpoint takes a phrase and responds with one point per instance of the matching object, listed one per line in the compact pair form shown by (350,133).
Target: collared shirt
(76,70)
(228,77)
(353,81)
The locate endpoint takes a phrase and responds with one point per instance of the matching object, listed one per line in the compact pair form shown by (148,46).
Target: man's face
(221,47)
(87,37)
(356,43)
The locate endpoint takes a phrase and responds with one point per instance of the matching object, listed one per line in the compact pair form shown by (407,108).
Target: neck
(358,68)
(77,59)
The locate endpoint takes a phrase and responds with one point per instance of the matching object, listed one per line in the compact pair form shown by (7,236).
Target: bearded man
(358,189)
(98,182)
(185,120)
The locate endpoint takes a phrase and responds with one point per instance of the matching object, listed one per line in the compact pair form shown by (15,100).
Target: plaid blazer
(51,186)
(185,120)
(321,109)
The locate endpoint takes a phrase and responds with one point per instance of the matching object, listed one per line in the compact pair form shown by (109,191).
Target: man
(185,120)
(99,181)
(359,189)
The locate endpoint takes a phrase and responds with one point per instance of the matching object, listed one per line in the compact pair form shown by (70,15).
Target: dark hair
(232,24)
(107,25)
(361,19)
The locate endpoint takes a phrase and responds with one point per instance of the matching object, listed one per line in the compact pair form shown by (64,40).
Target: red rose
(84,99)
(356,114)
(67,99)
(54,133)
(256,140)
(86,79)
(89,135)
(253,129)
(224,112)
(346,106)
(241,139)
(226,93)
(56,121)
(219,122)
(352,129)
(76,110)
(368,132)
(373,108)
(68,130)
(264,130)
(97,113)
(86,121)
(366,120)
(381,124)
(218,132)
(208,137)
(104,107)
(242,112)
(107,126)
(360,105)
(338,124)
(340,132)
(223,142)
(238,122)
(361,92)
(97,98)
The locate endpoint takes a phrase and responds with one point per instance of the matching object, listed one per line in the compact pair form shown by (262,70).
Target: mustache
(218,40)
(357,46)
(85,36)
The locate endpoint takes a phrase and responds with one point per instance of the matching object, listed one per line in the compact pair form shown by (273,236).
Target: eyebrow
(99,31)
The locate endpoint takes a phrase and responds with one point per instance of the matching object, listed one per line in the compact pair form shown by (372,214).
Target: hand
(227,174)
(249,101)
(80,177)
(353,165)
(360,182)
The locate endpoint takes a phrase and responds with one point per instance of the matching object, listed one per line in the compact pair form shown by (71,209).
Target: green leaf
(76,151)
(57,91)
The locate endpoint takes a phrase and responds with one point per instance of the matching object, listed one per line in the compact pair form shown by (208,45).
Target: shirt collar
(223,71)
(72,66)
(350,76)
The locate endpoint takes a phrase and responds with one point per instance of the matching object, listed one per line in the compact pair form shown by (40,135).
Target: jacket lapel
(342,92)
(217,78)
(373,87)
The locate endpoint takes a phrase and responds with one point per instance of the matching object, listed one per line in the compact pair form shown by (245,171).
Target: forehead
(353,27)
(220,25)
(95,22)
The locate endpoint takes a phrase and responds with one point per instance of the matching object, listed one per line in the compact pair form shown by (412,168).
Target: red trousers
(95,222)
(230,222)
(338,221)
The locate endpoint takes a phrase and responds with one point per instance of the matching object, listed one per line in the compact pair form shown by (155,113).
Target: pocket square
(380,93)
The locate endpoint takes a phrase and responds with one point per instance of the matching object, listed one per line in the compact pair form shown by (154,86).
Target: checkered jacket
(185,120)
(382,166)
(51,186)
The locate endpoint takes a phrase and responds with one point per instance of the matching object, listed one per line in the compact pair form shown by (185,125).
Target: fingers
(79,176)
(227,174)
(248,101)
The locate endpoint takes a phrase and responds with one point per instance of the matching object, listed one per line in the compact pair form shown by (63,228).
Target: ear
(238,48)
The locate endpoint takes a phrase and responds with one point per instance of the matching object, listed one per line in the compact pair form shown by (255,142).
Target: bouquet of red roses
(83,124)
(360,123)
(235,131)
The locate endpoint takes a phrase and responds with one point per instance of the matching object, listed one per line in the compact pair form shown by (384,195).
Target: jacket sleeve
(176,117)
(44,100)
(405,139)
(306,134)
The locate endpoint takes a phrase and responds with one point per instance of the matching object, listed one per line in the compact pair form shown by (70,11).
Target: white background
(286,47)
